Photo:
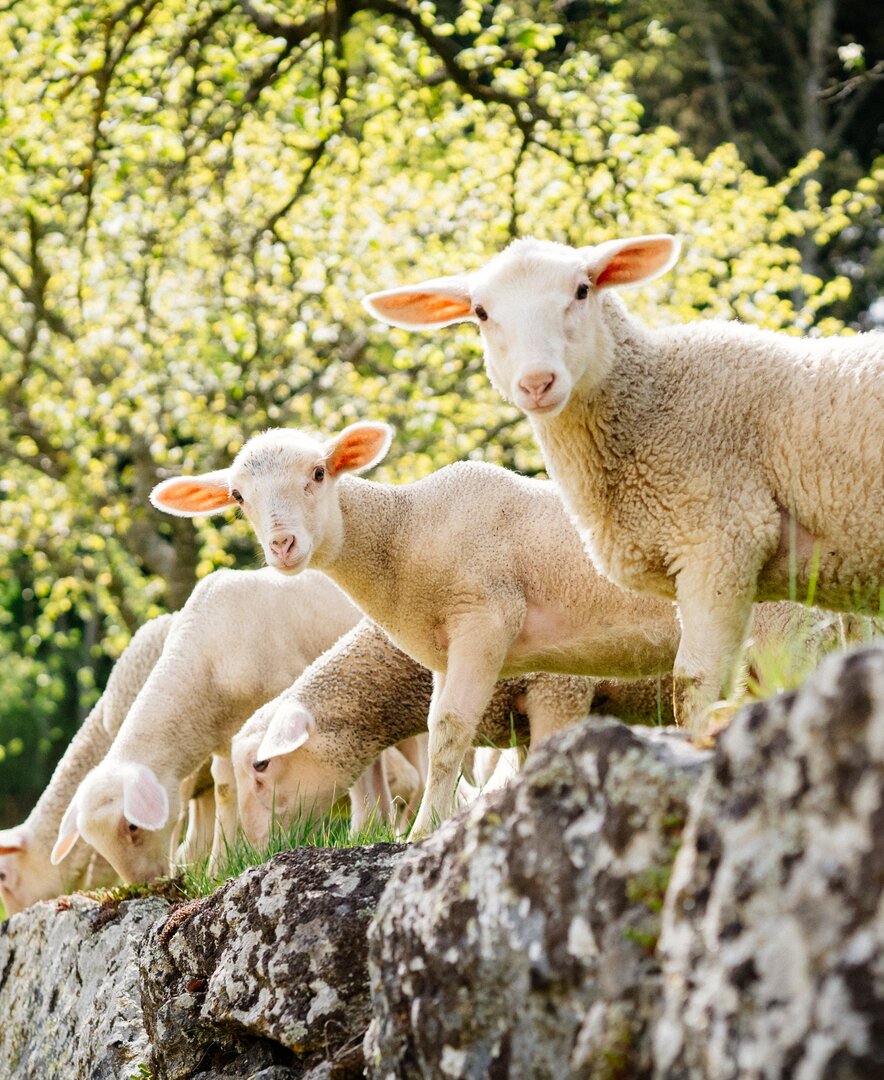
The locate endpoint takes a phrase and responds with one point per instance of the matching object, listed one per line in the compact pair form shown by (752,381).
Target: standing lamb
(475,572)
(304,748)
(26,873)
(241,638)
(710,463)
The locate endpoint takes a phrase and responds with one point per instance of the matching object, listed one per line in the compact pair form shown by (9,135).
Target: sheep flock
(703,477)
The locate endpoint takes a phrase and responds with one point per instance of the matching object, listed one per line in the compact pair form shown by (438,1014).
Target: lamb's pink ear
(291,726)
(438,302)
(630,262)
(13,840)
(145,802)
(358,447)
(67,834)
(191,496)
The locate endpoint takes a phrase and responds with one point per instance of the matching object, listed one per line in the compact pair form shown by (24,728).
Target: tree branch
(291,33)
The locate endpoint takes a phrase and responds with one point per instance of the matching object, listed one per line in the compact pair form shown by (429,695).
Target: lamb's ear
(438,302)
(145,802)
(191,496)
(358,447)
(67,834)
(291,726)
(630,262)
(13,840)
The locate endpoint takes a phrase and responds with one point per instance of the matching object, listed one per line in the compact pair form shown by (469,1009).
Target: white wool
(241,638)
(710,463)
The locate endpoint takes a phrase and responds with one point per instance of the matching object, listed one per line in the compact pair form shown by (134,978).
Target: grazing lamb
(241,638)
(475,572)
(307,746)
(710,463)
(26,873)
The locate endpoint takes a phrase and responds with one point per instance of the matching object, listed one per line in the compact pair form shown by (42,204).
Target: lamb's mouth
(291,565)
(552,408)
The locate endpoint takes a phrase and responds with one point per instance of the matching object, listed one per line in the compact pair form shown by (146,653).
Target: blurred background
(195,195)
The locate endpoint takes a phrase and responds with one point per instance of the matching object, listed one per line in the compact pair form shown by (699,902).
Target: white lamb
(300,751)
(475,572)
(241,638)
(26,873)
(710,463)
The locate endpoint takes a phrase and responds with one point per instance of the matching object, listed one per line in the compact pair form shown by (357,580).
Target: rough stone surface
(279,955)
(773,931)
(518,941)
(524,939)
(69,998)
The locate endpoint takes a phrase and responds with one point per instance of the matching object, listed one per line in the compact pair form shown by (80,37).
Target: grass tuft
(782,663)
(329,830)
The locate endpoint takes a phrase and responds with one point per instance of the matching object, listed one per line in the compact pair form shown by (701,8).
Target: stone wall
(629,907)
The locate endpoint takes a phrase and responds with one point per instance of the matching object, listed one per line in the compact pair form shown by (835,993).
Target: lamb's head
(278,774)
(538,306)
(23,879)
(285,483)
(126,814)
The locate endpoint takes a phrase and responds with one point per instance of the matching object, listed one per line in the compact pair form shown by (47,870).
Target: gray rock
(274,964)
(69,998)
(773,931)
(519,940)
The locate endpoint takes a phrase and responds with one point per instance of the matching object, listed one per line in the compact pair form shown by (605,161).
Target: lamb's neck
(362,562)
(584,443)
(183,720)
(87,748)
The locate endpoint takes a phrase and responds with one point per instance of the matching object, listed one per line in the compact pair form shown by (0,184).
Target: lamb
(26,873)
(780,495)
(241,638)
(475,572)
(301,750)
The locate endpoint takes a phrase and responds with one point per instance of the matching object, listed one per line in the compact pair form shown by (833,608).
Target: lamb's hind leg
(460,697)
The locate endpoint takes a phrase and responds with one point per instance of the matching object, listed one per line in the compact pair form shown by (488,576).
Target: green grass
(330,830)
(783,663)
(2,911)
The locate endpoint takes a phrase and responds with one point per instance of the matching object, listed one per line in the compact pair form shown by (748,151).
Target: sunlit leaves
(190,210)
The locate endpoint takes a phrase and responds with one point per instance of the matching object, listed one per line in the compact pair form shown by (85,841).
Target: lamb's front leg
(714,614)
(226,812)
(460,697)
(370,796)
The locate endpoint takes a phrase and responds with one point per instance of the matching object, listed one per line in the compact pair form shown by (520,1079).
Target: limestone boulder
(773,931)
(70,1003)
(269,972)
(520,939)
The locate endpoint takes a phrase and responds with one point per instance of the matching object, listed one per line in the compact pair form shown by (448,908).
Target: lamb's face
(538,308)
(124,813)
(26,876)
(14,881)
(277,788)
(537,314)
(285,487)
(284,482)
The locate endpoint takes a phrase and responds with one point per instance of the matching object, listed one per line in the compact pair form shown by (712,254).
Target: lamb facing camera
(711,463)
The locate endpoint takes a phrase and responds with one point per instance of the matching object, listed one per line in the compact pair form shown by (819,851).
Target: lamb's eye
(481,313)
(260,766)
(319,474)
(236,495)
(582,291)
(133,828)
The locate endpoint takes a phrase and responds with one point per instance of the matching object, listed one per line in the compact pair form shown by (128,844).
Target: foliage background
(194,194)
